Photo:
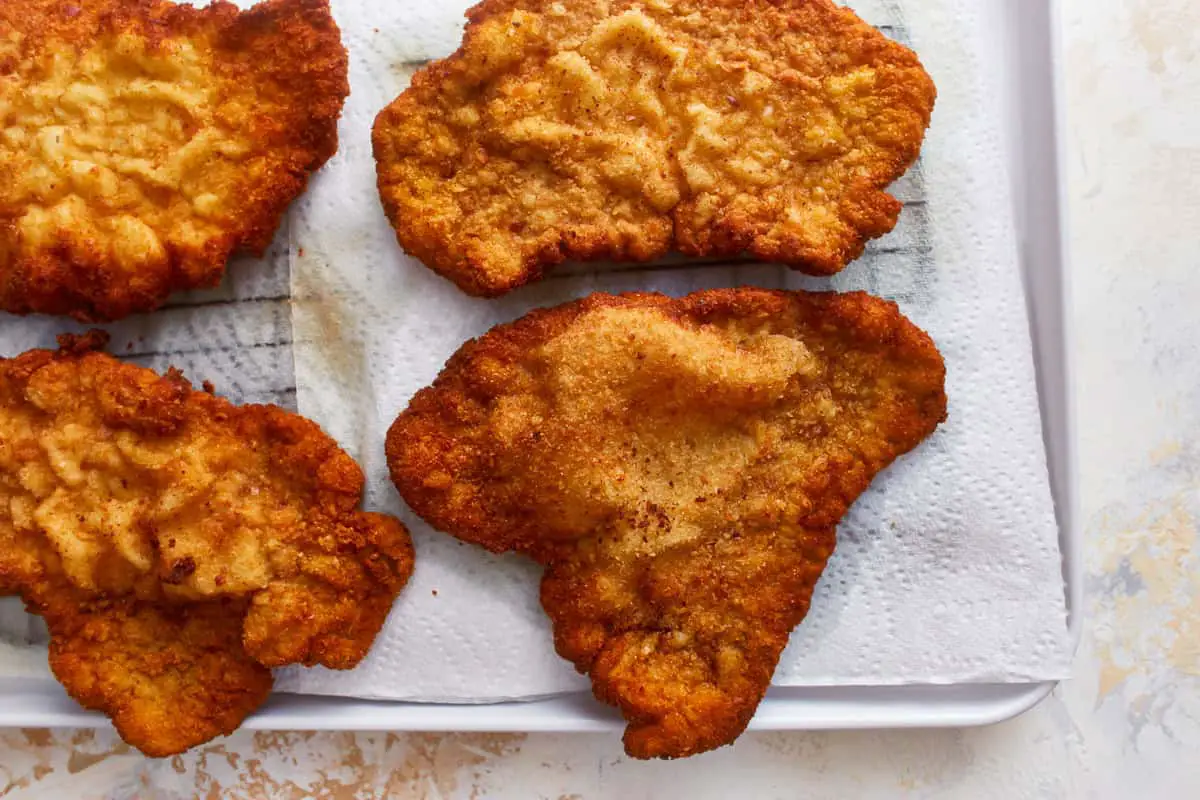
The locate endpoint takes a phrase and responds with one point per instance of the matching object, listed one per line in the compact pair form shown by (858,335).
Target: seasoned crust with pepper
(180,546)
(142,143)
(622,129)
(679,466)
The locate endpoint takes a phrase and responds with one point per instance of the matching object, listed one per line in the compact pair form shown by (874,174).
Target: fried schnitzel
(180,546)
(143,142)
(582,129)
(679,466)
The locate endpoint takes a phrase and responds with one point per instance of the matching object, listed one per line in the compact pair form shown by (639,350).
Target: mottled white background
(1127,725)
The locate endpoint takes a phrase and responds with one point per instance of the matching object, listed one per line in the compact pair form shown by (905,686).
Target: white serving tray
(1028,37)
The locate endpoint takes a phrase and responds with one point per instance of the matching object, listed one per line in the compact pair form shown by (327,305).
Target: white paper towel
(947,570)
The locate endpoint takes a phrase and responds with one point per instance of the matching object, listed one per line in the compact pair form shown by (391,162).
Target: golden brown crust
(142,143)
(170,677)
(679,466)
(179,546)
(578,130)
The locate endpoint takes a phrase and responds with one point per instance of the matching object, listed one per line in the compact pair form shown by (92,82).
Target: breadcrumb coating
(142,143)
(679,466)
(178,545)
(622,129)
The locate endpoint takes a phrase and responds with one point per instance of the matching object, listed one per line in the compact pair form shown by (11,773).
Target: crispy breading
(679,466)
(170,676)
(178,545)
(143,142)
(622,129)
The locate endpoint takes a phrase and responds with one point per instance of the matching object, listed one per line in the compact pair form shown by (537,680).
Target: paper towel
(947,569)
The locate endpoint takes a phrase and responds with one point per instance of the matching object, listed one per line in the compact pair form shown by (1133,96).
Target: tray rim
(33,702)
